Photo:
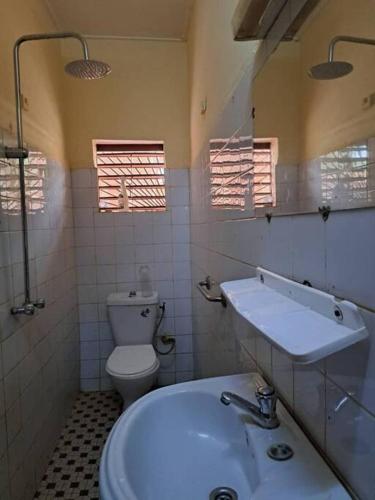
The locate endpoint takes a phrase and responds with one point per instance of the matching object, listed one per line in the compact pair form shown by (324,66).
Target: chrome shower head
(336,69)
(330,70)
(88,69)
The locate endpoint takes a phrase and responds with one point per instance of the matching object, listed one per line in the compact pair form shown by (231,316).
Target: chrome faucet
(263,415)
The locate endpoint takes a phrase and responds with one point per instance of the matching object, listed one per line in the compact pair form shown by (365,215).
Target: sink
(182,443)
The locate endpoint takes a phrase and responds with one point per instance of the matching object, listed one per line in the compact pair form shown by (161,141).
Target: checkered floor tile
(73,471)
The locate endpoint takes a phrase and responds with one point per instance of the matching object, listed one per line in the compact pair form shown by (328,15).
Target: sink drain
(223,493)
(280,451)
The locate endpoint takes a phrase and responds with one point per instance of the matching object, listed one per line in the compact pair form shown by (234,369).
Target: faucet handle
(267,400)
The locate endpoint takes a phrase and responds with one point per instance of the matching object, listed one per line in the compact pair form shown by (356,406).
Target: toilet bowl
(133,365)
(133,370)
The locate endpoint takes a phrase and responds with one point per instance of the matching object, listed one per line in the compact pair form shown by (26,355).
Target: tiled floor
(73,470)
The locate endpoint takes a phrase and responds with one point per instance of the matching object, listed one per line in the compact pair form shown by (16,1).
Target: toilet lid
(131,360)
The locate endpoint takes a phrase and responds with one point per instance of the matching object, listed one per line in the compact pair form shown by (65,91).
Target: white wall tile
(144,254)
(90,350)
(86,275)
(125,273)
(309,400)
(162,234)
(159,218)
(104,219)
(309,249)
(83,217)
(104,236)
(89,385)
(88,313)
(182,270)
(350,252)
(184,344)
(353,369)
(84,237)
(282,375)
(89,331)
(105,255)
(106,274)
(181,252)
(184,362)
(143,235)
(350,440)
(90,368)
(182,307)
(181,234)
(163,252)
(163,271)
(184,377)
(180,215)
(182,288)
(123,219)
(124,235)
(125,254)
(85,256)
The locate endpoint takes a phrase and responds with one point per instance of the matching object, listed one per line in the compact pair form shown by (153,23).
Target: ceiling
(123,18)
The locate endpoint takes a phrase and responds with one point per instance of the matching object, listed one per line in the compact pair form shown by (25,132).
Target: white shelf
(305,323)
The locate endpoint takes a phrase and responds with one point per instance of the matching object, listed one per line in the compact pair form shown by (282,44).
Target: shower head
(330,70)
(88,69)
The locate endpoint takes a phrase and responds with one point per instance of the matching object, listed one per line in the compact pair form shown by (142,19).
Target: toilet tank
(132,317)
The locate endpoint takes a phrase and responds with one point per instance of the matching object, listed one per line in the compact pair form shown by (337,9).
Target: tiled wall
(39,356)
(110,248)
(335,399)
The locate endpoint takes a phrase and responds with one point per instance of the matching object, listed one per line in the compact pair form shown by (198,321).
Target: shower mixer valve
(28,308)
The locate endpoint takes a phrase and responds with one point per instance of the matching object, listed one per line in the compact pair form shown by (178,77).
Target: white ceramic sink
(181,442)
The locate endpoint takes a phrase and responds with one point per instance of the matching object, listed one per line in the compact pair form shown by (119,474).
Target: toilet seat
(132,361)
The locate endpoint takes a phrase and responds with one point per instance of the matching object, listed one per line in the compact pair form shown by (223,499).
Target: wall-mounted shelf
(305,323)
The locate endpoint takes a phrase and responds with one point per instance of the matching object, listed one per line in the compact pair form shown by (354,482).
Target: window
(130,176)
(345,174)
(36,184)
(264,160)
(243,173)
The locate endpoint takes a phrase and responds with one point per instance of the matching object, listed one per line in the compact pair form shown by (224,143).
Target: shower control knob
(40,303)
(267,399)
(265,391)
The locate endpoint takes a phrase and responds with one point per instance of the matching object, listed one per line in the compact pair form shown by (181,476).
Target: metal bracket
(324,211)
(14,153)
(268,217)
(28,308)
(205,286)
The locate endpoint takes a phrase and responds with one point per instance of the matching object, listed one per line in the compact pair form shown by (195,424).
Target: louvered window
(242,173)
(130,176)
(263,174)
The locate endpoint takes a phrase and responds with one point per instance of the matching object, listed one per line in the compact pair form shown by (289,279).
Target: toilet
(133,365)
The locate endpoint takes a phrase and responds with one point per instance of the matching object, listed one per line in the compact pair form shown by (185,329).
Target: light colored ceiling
(123,18)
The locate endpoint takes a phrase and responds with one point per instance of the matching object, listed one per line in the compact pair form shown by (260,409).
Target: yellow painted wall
(330,114)
(144,98)
(216,64)
(41,70)
(277,101)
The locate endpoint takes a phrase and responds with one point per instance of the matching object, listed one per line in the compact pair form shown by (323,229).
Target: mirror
(320,133)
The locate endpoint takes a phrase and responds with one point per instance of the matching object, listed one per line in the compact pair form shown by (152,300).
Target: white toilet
(133,365)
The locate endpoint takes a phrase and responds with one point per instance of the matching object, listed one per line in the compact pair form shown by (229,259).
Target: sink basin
(181,442)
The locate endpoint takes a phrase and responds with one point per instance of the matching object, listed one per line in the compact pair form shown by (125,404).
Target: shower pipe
(349,39)
(29,306)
